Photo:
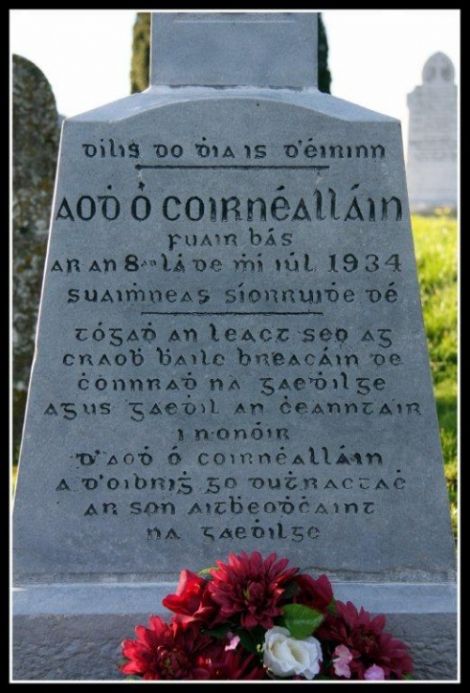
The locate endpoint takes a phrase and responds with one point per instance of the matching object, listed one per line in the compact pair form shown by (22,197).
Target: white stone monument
(432,137)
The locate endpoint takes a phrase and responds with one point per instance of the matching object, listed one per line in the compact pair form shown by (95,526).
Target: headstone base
(74,631)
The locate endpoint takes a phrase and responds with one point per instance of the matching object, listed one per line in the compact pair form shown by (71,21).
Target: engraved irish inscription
(227,319)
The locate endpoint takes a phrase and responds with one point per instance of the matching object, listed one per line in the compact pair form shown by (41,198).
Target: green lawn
(436,253)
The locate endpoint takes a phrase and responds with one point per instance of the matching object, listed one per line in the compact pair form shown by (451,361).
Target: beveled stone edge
(145,598)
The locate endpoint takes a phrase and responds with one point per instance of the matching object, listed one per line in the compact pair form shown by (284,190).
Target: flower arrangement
(253,618)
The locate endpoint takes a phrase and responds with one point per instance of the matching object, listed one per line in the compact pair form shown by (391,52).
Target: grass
(436,254)
(14,475)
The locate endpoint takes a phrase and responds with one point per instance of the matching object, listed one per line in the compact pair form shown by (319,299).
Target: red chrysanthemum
(192,601)
(170,651)
(366,641)
(248,588)
(236,665)
(317,594)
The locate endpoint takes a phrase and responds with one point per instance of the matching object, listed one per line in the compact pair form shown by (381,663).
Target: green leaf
(247,640)
(409,677)
(219,632)
(205,571)
(300,620)
(331,608)
(290,590)
(252,639)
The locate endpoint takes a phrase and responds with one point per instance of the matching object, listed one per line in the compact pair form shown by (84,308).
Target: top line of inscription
(139,167)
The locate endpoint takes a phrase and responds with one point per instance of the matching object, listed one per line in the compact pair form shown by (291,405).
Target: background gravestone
(35,144)
(230,355)
(432,137)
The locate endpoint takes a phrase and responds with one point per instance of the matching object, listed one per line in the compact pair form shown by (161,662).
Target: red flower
(192,601)
(236,665)
(170,651)
(317,594)
(249,589)
(366,641)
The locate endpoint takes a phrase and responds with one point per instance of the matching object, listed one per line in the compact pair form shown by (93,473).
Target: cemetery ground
(435,239)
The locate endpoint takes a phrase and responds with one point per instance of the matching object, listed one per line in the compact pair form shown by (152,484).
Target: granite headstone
(35,145)
(231,353)
(432,137)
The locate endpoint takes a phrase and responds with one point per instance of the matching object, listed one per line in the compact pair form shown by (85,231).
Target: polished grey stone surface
(71,654)
(83,639)
(262,49)
(145,597)
(286,348)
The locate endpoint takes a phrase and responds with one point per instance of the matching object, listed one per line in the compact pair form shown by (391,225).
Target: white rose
(286,656)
